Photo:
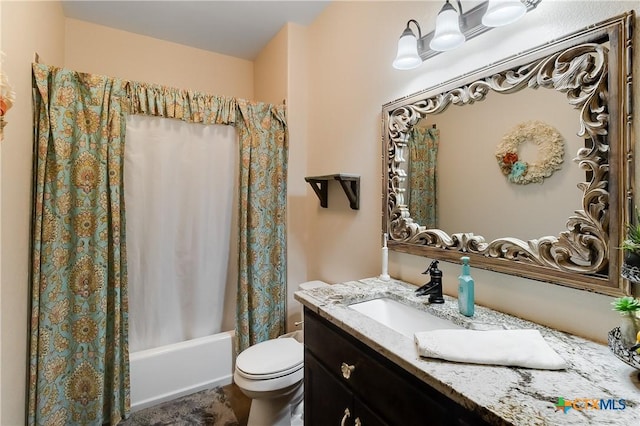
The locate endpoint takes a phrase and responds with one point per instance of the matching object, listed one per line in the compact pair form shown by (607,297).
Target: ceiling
(239,28)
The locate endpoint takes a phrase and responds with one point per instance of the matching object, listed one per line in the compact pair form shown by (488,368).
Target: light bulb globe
(447,35)
(407,57)
(503,12)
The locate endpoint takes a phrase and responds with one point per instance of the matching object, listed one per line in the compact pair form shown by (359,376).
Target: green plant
(626,304)
(632,242)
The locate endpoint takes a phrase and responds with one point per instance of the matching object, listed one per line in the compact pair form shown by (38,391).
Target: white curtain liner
(180,186)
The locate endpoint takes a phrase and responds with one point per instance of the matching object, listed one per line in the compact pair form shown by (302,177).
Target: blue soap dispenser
(465,289)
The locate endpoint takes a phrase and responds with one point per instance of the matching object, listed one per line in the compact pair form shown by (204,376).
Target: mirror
(524,165)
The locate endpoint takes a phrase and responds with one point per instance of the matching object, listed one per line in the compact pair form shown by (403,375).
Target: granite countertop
(501,395)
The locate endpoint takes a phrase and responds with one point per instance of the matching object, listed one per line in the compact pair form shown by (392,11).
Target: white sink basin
(400,317)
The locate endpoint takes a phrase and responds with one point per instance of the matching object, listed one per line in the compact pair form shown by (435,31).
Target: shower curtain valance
(263,137)
(80,375)
(185,105)
(197,107)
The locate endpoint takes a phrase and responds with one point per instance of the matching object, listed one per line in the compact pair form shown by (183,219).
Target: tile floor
(240,403)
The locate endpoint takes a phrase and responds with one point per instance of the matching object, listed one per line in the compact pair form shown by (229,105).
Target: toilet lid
(272,358)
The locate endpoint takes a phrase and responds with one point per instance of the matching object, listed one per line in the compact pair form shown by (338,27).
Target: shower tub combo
(171,272)
(168,372)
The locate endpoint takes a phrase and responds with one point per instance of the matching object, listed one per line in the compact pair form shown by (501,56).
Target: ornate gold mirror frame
(593,68)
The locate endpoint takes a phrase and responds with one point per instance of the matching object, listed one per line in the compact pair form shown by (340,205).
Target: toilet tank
(298,334)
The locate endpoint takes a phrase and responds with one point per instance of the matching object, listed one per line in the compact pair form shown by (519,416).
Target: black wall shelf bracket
(350,184)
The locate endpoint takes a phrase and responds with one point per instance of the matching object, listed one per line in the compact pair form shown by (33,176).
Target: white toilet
(271,373)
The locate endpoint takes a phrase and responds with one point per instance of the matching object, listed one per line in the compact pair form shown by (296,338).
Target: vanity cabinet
(348,383)
(333,403)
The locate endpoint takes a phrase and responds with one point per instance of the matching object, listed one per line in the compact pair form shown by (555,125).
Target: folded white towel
(522,348)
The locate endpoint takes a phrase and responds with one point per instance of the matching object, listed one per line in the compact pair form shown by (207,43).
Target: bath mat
(207,407)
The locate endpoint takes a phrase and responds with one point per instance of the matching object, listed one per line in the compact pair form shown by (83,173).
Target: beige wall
(353,44)
(280,74)
(41,27)
(297,214)
(270,69)
(1,59)
(350,48)
(339,76)
(102,50)
(27,27)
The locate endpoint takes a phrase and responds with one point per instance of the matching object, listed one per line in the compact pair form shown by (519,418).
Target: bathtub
(168,372)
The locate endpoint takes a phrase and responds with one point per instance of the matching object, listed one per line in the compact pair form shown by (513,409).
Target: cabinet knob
(347,370)
(347,414)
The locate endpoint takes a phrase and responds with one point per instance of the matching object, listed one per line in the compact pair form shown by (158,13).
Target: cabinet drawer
(395,395)
(325,398)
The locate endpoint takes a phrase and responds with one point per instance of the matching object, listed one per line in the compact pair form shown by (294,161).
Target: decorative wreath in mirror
(550,152)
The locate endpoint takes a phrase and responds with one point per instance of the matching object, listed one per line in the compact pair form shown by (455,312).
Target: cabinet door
(397,396)
(364,416)
(326,400)
(341,373)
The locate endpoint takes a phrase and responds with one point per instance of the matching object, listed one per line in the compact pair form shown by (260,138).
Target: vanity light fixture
(447,33)
(408,56)
(503,12)
(453,27)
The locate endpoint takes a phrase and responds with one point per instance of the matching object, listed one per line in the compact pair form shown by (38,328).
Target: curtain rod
(36,60)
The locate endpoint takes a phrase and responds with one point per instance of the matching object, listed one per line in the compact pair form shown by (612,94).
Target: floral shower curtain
(423,153)
(178,278)
(262,273)
(78,358)
(263,136)
(78,364)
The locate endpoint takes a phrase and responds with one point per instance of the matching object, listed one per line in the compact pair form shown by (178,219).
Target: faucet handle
(434,287)
(432,267)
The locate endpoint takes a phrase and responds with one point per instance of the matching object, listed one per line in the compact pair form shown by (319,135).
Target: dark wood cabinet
(333,402)
(348,383)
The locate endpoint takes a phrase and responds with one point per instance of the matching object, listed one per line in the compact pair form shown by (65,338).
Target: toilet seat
(271,373)
(268,376)
(270,359)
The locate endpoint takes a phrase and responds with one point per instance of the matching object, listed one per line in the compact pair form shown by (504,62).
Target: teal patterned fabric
(262,290)
(423,155)
(263,137)
(186,105)
(78,359)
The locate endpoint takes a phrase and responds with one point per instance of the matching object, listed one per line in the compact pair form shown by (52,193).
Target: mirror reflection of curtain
(180,181)
(423,154)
